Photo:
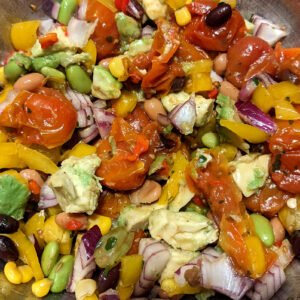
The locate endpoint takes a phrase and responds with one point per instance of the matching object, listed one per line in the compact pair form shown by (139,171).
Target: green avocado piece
(128,27)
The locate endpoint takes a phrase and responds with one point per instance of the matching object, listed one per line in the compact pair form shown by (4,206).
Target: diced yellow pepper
(27,253)
(9,156)
(229,151)
(103,222)
(183,16)
(3,137)
(3,94)
(175,4)
(53,211)
(81,150)
(125,292)
(245,131)
(125,104)
(53,232)
(171,288)
(16,175)
(91,49)
(131,268)
(285,90)
(35,225)
(201,66)
(117,68)
(284,110)
(200,82)
(23,35)
(257,261)
(262,98)
(171,188)
(3,80)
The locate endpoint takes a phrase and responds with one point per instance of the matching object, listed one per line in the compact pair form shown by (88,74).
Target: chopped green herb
(256,81)
(291,122)
(111,242)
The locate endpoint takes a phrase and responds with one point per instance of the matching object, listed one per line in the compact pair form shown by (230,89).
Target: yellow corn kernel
(175,4)
(183,16)
(103,222)
(171,288)
(92,297)
(116,67)
(232,3)
(85,288)
(12,273)
(26,272)
(42,287)
(2,77)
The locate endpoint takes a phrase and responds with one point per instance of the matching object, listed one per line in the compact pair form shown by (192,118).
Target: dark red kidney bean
(2,264)
(295,241)
(8,224)
(8,250)
(178,84)
(109,281)
(219,15)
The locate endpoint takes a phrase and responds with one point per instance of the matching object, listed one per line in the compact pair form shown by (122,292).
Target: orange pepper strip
(48,40)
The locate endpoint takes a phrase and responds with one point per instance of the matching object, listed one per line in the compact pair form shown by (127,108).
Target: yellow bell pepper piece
(245,131)
(125,104)
(3,80)
(290,217)
(53,232)
(285,90)
(257,261)
(172,289)
(175,4)
(228,150)
(284,110)
(27,253)
(103,222)
(131,268)
(171,188)
(35,225)
(110,4)
(16,175)
(262,98)
(201,66)
(81,150)
(23,35)
(200,82)
(13,155)
(91,49)
(3,136)
(125,292)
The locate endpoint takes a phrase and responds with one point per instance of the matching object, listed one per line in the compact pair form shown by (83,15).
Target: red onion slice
(147,31)
(163,119)
(99,104)
(252,115)
(82,9)
(78,100)
(45,26)
(47,197)
(183,116)
(215,77)
(85,117)
(79,31)
(135,9)
(109,295)
(104,120)
(89,133)
(51,8)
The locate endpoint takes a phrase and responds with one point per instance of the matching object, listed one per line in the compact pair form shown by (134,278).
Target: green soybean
(210,139)
(12,71)
(49,257)
(78,79)
(53,73)
(50,61)
(263,229)
(60,273)
(66,11)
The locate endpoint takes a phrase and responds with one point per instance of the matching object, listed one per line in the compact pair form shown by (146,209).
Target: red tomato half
(248,57)
(45,118)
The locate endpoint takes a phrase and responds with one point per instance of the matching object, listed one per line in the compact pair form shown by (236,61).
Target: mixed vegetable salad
(149,149)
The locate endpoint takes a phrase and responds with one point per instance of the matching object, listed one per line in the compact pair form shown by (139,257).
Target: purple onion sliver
(163,119)
(45,26)
(247,90)
(47,197)
(55,10)
(104,120)
(90,240)
(89,133)
(109,295)
(99,104)
(252,115)
(266,79)
(135,9)
(147,31)
(82,9)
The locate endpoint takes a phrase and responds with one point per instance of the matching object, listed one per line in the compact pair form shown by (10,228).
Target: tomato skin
(45,118)
(268,200)
(73,224)
(138,235)
(106,34)
(215,39)
(201,7)
(248,57)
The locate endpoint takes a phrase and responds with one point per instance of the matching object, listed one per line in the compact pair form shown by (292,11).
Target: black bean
(109,280)
(295,241)
(178,84)
(8,250)
(219,15)
(8,224)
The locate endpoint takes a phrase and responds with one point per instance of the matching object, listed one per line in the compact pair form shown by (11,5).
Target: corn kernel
(12,273)
(26,272)
(232,3)
(104,223)
(85,288)
(42,287)
(2,77)
(116,67)
(175,4)
(92,297)
(183,16)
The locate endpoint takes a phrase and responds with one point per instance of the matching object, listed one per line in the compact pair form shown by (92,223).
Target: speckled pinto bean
(29,82)
(64,218)
(153,107)
(228,89)
(149,192)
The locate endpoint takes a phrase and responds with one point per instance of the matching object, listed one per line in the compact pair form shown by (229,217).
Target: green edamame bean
(78,79)
(49,257)
(66,11)
(263,229)
(50,61)
(53,73)
(60,273)
(12,71)
(210,139)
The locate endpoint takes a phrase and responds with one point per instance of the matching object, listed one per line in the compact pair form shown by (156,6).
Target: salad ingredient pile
(149,149)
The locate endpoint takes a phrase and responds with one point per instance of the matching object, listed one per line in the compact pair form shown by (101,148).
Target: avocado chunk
(105,86)
(129,28)
(21,60)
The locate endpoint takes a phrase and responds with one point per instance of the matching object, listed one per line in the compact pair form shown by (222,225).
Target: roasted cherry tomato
(105,36)
(213,38)
(45,118)
(248,57)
